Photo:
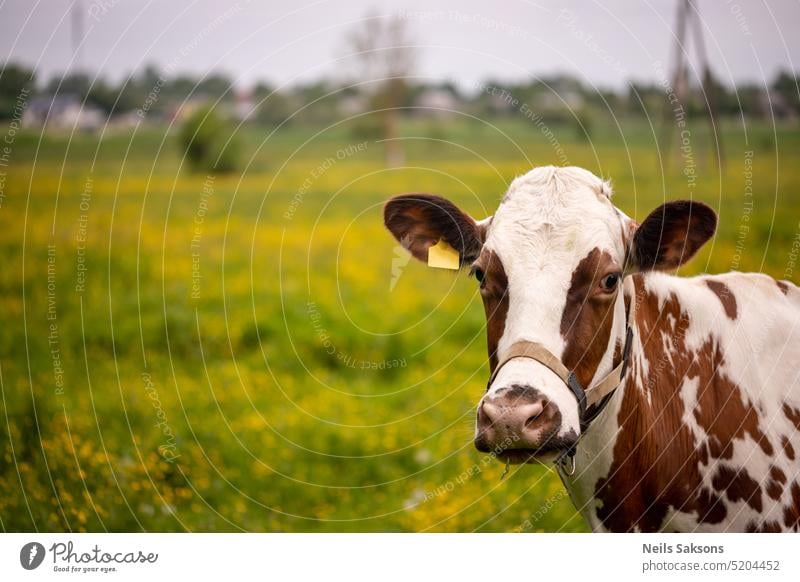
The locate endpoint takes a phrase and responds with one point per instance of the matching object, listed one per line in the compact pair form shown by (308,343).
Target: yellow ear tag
(443,256)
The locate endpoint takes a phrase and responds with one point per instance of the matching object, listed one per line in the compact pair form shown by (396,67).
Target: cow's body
(703,431)
(704,434)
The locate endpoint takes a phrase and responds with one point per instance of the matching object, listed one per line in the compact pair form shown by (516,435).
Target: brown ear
(672,234)
(419,221)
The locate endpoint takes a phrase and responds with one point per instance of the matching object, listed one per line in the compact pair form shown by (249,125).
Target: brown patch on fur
(783,286)
(791,513)
(764,527)
(793,414)
(656,465)
(777,479)
(725,295)
(588,317)
(788,449)
(777,474)
(495,301)
(738,486)
(722,413)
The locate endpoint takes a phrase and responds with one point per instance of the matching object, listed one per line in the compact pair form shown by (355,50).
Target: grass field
(180,352)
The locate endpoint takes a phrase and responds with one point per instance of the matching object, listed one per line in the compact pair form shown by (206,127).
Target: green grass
(256,379)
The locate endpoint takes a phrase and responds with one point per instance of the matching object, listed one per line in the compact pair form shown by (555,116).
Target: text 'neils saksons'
(665,548)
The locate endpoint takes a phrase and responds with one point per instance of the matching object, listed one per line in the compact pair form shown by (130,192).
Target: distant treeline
(153,94)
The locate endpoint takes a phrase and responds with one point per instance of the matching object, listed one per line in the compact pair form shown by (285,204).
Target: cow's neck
(595,452)
(639,461)
(595,455)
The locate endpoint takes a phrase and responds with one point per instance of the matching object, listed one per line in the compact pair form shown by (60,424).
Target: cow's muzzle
(519,423)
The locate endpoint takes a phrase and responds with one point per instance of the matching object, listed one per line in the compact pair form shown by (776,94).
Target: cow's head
(549,264)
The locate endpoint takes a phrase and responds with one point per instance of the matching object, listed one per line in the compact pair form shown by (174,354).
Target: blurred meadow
(252,351)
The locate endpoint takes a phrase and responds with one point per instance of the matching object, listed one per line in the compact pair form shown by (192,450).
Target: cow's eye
(478,274)
(610,282)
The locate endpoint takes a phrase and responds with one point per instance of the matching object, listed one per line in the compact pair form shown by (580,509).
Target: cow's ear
(672,234)
(419,221)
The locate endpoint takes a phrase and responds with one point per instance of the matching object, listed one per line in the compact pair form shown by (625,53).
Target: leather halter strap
(585,397)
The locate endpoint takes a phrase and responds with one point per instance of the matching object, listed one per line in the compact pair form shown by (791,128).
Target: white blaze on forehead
(549,220)
(548,210)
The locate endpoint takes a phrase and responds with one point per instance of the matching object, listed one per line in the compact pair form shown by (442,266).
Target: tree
(77,84)
(208,143)
(112,99)
(272,106)
(786,85)
(319,102)
(14,81)
(216,86)
(385,57)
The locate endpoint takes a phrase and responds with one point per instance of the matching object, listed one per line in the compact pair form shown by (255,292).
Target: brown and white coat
(704,432)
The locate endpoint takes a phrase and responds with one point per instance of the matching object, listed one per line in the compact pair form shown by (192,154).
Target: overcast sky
(605,43)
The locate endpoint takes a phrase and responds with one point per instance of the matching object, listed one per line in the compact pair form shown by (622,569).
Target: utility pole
(688,20)
(76,18)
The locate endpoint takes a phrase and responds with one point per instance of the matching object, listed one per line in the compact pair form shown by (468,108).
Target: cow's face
(549,265)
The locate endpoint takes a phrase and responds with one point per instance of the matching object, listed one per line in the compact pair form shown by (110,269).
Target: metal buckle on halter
(567,456)
(599,393)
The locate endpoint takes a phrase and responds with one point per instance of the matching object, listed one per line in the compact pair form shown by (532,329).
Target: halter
(586,397)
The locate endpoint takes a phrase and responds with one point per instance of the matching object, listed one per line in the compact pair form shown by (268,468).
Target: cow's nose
(519,417)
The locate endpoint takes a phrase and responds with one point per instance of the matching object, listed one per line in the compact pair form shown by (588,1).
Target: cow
(667,403)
